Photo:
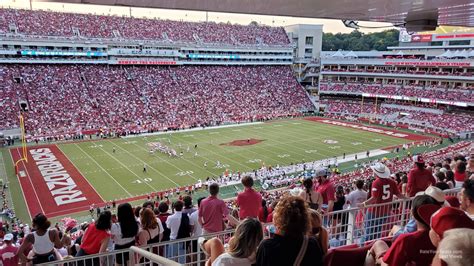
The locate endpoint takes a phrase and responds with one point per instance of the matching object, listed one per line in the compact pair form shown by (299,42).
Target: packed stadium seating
(398,166)
(399,71)
(454,122)
(409,91)
(65,100)
(45,23)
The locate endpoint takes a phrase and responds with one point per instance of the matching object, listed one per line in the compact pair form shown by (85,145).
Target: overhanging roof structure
(448,12)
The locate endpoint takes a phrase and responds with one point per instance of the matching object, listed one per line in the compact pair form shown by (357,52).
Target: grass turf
(120,174)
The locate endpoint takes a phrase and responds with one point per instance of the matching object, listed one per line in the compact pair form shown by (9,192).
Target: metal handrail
(153,257)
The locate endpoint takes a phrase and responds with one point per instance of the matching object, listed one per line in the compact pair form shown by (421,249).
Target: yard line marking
(87,180)
(31,182)
(100,166)
(220,155)
(151,167)
(152,187)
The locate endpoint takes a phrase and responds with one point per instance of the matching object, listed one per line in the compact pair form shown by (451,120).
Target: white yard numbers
(189,136)
(184,173)
(311,151)
(283,155)
(96,146)
(356,143)
(334,147)
(130,142)
(144,180)
(376,140)
(254,161)
(330,141)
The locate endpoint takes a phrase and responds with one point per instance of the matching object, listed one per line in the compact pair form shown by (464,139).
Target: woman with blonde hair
(151,231)
(290,244)
(242,246)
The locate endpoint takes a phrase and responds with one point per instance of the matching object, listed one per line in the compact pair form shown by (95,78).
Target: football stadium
(129,138)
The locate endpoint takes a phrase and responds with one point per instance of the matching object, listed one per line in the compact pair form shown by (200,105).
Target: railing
(346,227)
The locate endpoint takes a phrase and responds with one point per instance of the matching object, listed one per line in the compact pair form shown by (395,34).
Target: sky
(329,25)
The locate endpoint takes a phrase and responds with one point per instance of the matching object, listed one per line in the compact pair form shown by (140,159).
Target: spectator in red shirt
(412,248)
(382,191)
(8,252)
(212,211)
(419,178)
(326,188)
(249,200)
(96,238)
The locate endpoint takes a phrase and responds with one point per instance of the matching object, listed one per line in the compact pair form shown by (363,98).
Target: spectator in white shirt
(196,228)
(357,196)
(178,223)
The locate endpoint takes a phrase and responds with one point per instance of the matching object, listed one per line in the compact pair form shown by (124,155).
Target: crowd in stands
(404,71)
(297,233)
(67,100)
(456,95)
(45,23)
(445,122)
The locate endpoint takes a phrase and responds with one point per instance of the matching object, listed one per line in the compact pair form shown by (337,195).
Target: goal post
(23,155)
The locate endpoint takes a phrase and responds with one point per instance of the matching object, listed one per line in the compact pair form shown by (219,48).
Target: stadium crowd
(303,220)
(428,92)
(458,122)
(454,72)
(69,100)
(45,23)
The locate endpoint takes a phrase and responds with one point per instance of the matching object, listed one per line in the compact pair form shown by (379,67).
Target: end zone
(51,184)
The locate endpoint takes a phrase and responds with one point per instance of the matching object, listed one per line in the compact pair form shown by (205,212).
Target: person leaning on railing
(410,248)
(382,191)
(96,238)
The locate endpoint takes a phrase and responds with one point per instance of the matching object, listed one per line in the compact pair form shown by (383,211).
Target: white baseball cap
(8,237)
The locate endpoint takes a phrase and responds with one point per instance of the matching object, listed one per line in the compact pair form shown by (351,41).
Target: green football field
(120,174)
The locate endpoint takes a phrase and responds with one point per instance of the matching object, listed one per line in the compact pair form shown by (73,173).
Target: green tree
(358,41)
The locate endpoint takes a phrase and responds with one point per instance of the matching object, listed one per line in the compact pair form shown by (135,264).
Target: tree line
(358,41)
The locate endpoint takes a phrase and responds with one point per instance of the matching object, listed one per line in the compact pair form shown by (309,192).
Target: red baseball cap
(448,218)
(426,211)
(453,201)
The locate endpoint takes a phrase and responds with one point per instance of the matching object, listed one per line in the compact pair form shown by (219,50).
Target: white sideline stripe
(151,167)
(120,162)
(31,182)
(191,129)
(100,166)
(21,188)
(83,176)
